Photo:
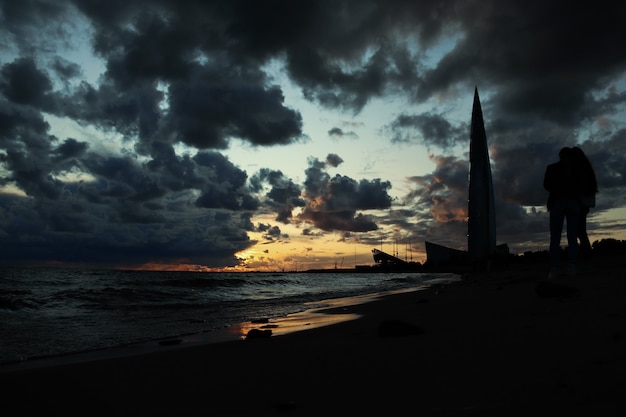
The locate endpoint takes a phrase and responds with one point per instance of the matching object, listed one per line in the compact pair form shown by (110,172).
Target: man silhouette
(560,181)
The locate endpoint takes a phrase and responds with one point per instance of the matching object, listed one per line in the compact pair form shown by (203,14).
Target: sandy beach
(507,342)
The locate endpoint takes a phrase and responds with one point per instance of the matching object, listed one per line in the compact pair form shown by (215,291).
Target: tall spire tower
(481,236)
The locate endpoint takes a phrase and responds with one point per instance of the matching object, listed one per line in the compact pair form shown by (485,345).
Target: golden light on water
(293,323)
(309,319)
(296,322)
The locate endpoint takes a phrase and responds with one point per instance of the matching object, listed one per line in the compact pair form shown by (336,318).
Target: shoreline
(308,319)
(502,342)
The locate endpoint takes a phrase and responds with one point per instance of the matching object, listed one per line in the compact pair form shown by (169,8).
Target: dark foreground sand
(504,343)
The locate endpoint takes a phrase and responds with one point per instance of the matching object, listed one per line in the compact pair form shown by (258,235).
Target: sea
(48,312)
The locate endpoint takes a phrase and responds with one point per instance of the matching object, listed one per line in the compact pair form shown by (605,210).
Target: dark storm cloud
(128,212)
(22,83)
(607,158)
(344,53)
(332,202)
(283,196)
(33,23)
(329,203)
(225,184)
(212,96)
(360,50)
(428,129)
(537,53)
(66,70)
(149,44)
(271,233)
(339,133)
(25,151)
(205,113)
(333,160)
(335,131)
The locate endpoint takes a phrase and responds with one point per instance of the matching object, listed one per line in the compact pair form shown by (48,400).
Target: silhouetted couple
(572,185)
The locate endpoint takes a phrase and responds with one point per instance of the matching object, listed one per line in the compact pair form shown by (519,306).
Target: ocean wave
(206,282)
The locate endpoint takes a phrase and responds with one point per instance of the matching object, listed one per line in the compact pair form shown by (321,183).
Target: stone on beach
(258,334)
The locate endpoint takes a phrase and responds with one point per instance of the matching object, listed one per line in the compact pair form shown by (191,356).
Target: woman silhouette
(588,190)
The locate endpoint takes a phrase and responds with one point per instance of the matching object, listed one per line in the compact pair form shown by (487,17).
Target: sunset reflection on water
(305,320)
(309,319)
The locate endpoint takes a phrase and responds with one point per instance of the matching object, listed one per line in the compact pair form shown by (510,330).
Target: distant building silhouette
(481,233)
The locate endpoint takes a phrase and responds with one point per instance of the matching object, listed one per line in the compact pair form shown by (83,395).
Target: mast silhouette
(481,236)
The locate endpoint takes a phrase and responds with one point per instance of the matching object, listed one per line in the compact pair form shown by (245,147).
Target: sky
(290,135)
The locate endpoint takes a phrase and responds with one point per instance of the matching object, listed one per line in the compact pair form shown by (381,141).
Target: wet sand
(502,343)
